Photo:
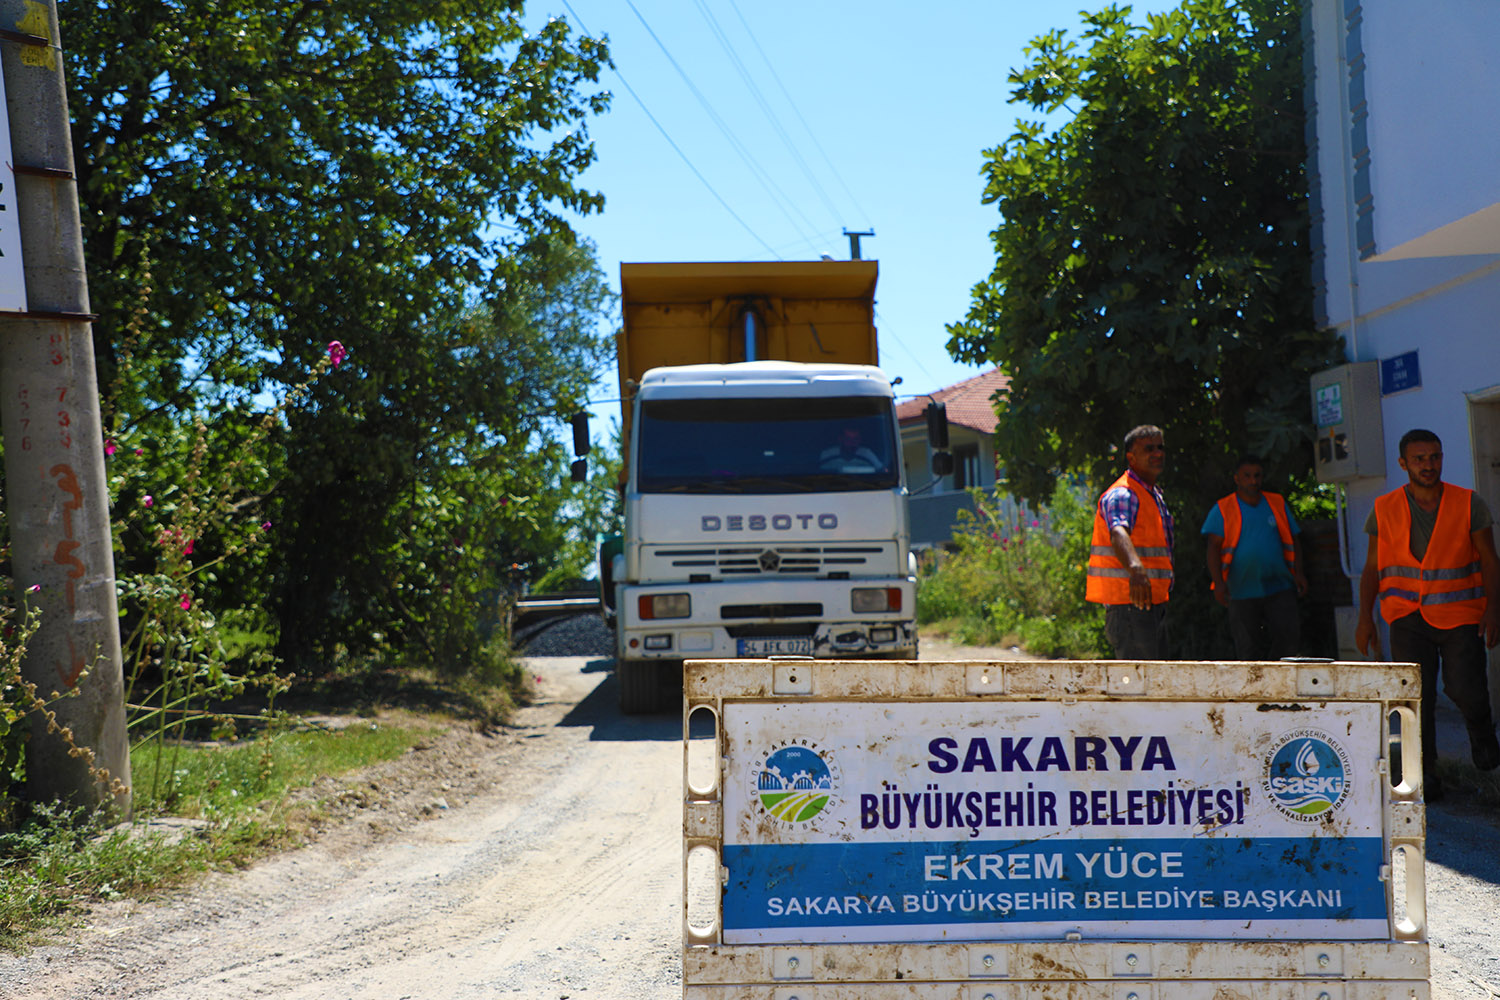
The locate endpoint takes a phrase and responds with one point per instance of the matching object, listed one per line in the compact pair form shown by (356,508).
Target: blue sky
(784,122)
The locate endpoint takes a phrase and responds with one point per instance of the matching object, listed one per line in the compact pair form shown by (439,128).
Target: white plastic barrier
(1058,829)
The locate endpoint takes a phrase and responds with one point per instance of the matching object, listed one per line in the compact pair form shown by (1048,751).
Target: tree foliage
(259,179)
(1151,259)
(430,488)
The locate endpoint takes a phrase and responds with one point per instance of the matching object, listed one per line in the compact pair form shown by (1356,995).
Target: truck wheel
(649,685)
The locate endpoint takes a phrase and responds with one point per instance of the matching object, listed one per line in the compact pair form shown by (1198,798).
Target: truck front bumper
(727,620)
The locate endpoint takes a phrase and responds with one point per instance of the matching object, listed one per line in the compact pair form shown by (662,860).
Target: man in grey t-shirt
(1432,561)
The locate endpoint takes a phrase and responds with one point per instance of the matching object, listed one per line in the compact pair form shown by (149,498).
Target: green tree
(1152,263)
(409,503)
(259,179)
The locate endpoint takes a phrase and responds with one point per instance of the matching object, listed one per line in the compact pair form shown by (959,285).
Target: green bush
(1018,578)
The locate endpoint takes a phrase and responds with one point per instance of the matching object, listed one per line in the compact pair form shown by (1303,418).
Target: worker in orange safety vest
(1255,565)
(1130,556)
(1431,561)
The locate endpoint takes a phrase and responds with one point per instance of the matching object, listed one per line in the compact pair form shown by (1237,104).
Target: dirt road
(540,863)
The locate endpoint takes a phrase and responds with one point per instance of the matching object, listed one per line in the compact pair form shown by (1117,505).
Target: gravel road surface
(541,862)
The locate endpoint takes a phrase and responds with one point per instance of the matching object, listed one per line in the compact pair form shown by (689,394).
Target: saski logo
(1307,774)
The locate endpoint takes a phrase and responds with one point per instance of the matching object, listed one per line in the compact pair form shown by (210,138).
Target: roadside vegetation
(342,325)
(1016,579)
(343,322)
(201,806)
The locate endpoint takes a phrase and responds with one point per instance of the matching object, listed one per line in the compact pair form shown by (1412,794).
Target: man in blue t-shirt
(1255,563)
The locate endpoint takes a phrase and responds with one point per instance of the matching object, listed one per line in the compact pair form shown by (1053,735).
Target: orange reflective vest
(1108,579)
(1446,586)
(1230,509)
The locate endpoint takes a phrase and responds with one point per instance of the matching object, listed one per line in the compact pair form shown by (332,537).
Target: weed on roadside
(1018,579)
(235,797)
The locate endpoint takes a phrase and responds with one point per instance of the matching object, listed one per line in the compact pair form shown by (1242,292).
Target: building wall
(1404,185)
(1417,103)
(1433,83)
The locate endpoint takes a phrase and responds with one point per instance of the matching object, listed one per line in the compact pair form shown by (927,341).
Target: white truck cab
(765,514)
(764,500)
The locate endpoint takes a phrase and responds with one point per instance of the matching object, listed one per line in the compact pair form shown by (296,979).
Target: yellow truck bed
(692,313)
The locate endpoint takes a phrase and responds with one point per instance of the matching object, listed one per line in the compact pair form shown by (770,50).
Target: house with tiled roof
(936,501)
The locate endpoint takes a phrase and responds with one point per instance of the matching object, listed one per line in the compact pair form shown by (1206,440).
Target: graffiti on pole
(66,553)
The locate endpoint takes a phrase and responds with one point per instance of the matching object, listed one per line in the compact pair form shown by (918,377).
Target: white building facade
(1404,183)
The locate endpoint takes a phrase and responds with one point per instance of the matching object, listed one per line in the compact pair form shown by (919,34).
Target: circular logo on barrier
(1307,775)
(796,781)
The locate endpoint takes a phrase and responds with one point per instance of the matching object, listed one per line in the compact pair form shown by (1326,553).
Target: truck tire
(647,686)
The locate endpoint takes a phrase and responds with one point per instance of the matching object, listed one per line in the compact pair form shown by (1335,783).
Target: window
(790,444)
(966,467)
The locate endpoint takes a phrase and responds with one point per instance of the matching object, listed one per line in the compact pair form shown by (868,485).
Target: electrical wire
(796,111)
(765,107)
(891,337)
(673,143)
(761,175)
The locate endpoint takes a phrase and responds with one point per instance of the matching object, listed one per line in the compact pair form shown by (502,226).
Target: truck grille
(755,560)
(808,610)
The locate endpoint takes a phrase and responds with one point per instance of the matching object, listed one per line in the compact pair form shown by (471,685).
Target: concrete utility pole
(854,242)
(54,449)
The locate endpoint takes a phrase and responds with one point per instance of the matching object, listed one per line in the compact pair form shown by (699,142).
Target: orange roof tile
(968,402)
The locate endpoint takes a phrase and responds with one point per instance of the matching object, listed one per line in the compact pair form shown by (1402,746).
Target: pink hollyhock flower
(147,500)
(265,526)
(185,602)
(189,550)
(110,447)
(336,353)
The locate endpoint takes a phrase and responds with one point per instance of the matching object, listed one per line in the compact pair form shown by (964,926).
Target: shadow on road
(1462,841)
(601,711)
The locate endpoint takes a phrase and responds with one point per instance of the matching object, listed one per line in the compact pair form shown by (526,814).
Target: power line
(673,143)
(765,107)
(820,243)
(888,335)
(793,104)
(760,173)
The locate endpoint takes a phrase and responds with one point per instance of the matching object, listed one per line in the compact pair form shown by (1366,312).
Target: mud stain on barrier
(1043,964)
(1216,721)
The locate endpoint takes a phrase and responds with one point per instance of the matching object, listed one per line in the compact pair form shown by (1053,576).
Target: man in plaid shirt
(1130,559)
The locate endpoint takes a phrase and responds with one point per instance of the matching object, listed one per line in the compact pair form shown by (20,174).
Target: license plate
(800,646)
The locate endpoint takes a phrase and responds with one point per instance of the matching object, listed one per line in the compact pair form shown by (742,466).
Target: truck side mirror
(581,444)
(942,463)
(937,425)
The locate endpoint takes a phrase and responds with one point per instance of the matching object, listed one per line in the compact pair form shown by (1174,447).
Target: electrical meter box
(1350,434)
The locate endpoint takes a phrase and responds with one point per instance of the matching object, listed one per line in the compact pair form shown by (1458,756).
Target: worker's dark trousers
(1136,633)
(1265,628)
(1459,653)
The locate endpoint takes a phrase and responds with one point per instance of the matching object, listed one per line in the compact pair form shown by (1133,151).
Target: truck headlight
(665,606)
(863,600)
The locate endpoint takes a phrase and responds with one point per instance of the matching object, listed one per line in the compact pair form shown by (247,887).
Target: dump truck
(765,503)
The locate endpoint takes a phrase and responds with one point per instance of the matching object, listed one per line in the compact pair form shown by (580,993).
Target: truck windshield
(767,445)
